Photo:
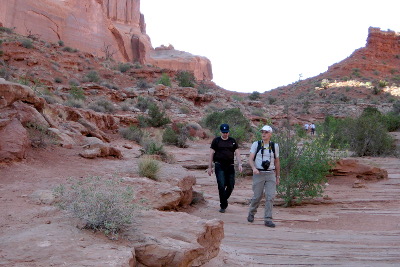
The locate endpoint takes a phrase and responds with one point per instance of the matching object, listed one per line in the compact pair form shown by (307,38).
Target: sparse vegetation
(240,128)
(176,135)
(185,79)
(103,204)
(254,96)
(149,167)
(93,76)
(165,80)
(303,169)
(132,132)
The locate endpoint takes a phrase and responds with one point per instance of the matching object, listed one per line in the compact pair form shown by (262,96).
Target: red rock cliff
(97,26)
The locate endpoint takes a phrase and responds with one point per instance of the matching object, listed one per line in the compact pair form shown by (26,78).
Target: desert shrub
(103,204)
(148,167)
(165,80)
(202,88)
(27,43)
(143,103)
(240,127)
(272,100)
(39,135)
(185,79)
(124,67)
(391,121)
(324,83)
(77,93)
(69,49)
(76,103)
(303,168)
(382,83)
(6,30)
(102,105)
(156,117)
(61,43)
(396,107)
(132,133)
(183,109)
(254,96)
(176,135)
(73,82)
(368,136)
(143,84)
(58,80)
(237,98)
(93,76)
(5,73)
(152,147)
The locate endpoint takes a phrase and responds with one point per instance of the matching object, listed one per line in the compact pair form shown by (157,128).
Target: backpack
(271,144)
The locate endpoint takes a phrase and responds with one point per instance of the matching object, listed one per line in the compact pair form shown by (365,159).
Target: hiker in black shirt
(222,152)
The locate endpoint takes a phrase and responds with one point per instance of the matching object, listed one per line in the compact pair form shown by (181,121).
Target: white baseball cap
(266,128)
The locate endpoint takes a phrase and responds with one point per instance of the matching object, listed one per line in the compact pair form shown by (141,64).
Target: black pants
(225,175)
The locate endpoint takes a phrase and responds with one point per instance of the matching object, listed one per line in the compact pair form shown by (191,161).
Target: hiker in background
(264,161)
(312,128)
(222,152)
(306,126)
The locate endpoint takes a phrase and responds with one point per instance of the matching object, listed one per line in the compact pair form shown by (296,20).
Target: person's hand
(210,170)
(240,168)
(256,171)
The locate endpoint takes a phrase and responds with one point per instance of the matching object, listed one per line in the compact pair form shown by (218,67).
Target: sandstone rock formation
(105,28)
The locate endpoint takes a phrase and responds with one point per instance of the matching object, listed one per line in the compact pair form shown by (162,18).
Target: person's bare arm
(239,160)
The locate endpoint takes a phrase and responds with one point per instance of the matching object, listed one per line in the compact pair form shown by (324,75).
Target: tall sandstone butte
(98,26)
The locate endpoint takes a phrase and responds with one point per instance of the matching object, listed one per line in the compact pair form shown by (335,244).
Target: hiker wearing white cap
(264,161)
(222,152)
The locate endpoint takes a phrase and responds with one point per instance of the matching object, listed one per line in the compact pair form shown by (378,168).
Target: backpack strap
(258,149)
(272,146)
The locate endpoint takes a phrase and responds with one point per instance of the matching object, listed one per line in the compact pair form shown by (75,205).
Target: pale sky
(258,45)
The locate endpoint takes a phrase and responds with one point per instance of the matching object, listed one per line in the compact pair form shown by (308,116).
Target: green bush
(185,79)
(254,96)
(156,117)
(102,105)
(303,168)
(77,93)
(148,167)
(165,80)
(176,135)
(369,137)
(143,103)
(366,135)
(142,84)
(124,67)
(27,43)
(103,204)
(93,76)
(132,133)
(6,30)
(153,147)
(240,127)
(58,80)
(70,49)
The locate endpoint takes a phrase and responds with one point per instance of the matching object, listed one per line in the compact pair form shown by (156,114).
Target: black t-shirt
(224,150)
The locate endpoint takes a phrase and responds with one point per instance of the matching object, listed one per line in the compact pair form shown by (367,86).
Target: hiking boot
(250,218)
(269,224)
(222,210)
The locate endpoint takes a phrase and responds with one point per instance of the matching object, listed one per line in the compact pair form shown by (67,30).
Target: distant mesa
(113,27)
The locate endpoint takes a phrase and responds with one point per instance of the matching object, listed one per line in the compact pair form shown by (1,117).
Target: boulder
(351,167)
